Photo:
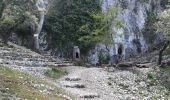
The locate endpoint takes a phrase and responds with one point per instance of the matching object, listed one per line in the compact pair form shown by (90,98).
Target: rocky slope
(19,57)
(26,61)
(89,83)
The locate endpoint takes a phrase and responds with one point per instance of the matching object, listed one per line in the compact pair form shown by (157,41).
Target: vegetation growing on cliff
(150,29)
(17,13)
(83,24)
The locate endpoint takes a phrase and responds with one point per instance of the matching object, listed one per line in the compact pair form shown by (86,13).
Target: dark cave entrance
(77,55)
(120,49)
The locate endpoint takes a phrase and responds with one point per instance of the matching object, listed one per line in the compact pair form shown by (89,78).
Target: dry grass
(24,86)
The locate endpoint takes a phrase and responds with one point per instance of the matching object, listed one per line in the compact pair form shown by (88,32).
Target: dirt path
(98,84)
(87,83)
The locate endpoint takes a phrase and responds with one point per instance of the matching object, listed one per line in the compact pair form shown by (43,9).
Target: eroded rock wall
(129,39)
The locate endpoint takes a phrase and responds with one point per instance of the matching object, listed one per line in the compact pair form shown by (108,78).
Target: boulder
(74,85)
(89,95)
(75,78)
(146,65)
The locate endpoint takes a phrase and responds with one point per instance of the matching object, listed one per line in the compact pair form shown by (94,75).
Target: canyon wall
(128,39)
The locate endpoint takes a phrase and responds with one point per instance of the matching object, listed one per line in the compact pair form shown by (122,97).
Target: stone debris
(89,95)
(146,65)
(103,85)
(87,83)
(125,65)
(73,85)
(73,78)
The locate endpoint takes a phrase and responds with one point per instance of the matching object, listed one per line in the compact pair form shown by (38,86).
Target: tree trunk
(161,52)
(160,57)
(38,30)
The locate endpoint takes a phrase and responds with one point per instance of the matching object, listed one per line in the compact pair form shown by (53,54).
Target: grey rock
(72,78)
(89,95)
(74,85)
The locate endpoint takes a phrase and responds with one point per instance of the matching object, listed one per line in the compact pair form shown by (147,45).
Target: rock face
(133,14)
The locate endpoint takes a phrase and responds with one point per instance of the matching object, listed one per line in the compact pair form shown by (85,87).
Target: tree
(64,20)
(28,17)
(101,28)
(163,25)
(15,13)
(78,22)
(42,6)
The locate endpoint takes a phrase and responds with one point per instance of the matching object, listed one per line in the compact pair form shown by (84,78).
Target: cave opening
(120,49)
(77,55)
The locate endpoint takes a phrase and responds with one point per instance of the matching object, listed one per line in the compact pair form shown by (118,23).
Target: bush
(55,72)
(103,58)
(152,77)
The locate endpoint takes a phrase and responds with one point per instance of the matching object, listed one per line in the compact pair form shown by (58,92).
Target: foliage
(164,3)
(17,16)
(100,30)
(77,22)
(152,76)
(8,20)
(55,72)
(64,20)
(163,25)
(150,29)
(103,58)
(16,84)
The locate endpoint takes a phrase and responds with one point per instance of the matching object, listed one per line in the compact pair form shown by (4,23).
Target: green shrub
(152,77)
(11,46)
(79,63)
(55,72)
(103,58)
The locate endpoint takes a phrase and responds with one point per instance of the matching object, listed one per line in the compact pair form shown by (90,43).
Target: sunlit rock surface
(129,39)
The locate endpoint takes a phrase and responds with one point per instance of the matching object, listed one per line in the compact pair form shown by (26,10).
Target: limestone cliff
(129,39)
